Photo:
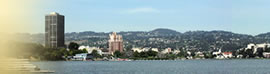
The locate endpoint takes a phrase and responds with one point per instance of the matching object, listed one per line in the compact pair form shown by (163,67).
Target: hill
(163,38)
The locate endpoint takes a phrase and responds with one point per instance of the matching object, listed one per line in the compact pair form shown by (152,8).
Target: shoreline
(158,60)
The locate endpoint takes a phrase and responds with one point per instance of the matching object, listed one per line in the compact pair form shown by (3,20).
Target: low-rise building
(217,52)
(227,54)
(199,54)
(82,56)
(167,50)
(266,54)
(176,51)
(222,55)
(145,49)
(137,50)
(155,49)
(255,47)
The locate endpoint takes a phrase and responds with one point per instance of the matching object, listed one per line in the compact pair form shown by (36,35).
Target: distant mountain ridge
(264,35)
(164,31)
(163,38)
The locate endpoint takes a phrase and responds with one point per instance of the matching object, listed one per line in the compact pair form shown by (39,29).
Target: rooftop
(54,13)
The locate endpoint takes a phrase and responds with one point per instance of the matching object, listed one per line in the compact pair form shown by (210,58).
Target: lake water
(241,66)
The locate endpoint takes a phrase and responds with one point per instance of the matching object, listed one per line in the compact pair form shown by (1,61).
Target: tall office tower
(54,30)
(115,43)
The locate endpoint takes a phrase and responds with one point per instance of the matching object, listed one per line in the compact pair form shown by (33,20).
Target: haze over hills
(163,38)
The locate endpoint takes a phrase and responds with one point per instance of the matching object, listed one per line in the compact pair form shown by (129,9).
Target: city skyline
(245,17)
(135,36)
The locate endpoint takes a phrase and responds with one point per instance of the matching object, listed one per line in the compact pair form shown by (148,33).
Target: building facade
(256,47)
(54,30)
(115,43)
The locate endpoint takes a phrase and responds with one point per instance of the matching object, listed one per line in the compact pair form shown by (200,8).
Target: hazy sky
(239,16)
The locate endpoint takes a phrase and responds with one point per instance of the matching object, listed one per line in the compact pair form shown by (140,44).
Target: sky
(238,16)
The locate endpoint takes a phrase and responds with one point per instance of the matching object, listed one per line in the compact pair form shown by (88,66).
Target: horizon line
(142,31)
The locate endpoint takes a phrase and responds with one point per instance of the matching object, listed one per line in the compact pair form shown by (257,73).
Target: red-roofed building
(227,54)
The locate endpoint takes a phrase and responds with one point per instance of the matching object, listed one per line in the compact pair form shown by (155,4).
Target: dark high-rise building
(54,30)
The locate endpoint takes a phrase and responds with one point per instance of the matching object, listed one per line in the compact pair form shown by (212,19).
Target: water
(244,66)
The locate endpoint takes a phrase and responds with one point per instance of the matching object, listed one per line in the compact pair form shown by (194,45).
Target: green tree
(267,49)
(73,46)
(84,51)
(193,53)
(95,53)
(136,54)
(52,54)
(208,55)
(152,53)
(171,56)
(182,54)
(74,52)
(64,52)
(143,54)
(128,53)
(117,54)
(249,53)
(128,47)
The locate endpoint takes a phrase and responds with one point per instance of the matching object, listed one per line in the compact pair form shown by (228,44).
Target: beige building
(115,43)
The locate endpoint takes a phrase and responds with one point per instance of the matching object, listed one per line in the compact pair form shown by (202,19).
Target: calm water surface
(244,66)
